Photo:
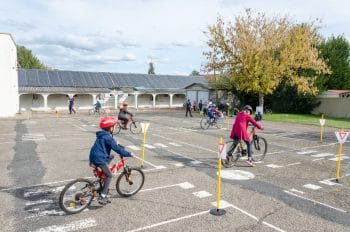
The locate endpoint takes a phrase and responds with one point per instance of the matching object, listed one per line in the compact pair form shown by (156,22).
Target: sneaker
(103,200)
(251,164)
(253,160)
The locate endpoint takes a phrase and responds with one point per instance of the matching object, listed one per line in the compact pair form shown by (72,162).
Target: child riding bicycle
(100,153)
(213,113)
(124,115)
(239,130)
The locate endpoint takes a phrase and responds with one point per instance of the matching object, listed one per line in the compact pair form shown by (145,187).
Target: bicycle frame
(114,169)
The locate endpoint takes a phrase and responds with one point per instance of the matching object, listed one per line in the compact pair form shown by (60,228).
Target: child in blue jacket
(100,153)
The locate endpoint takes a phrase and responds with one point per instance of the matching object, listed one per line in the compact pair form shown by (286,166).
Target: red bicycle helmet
(107,122)
(125,104)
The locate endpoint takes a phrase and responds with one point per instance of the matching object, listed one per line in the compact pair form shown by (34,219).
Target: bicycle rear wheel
(117,129)
(205,123)
(76,196)
(130,182)
(232,156)
(259,148)
(135,127)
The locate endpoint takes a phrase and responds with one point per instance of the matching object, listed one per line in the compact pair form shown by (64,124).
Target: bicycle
(134,126)
(97,112)
(206,122)
(78,194)
(236,149)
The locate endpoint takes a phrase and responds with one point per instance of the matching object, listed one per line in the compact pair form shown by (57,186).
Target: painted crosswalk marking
(297,191)
(195,162)
(312,186)
(328,182)
(305,152)
(186,185)
(175,144)
(179,164)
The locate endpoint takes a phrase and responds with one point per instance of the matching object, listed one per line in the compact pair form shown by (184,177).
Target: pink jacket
(240,126)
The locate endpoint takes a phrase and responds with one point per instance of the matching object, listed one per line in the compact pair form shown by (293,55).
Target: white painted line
(317,159)
(329,182)
(202,194)
(153,165)
(36,193)
(186,185)
(256,219)
(223,204)
(47,213)
(274,166)
(292,164)
(315,202)
(169,221)
(179,164)
(306,152)
(175,144)
(237,175)
(133,147)
(160,145)
(73,226)
(79,127)
(39,202)
(297,191)
(195,162)
(182,185)
(312,186)
(33,137)
(160,167)
(322,155)
(342,158)
(149,146)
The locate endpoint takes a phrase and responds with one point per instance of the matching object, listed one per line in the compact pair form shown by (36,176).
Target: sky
(124,36)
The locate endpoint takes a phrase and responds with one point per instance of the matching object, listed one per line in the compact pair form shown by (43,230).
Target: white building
(8,76)
(334,103)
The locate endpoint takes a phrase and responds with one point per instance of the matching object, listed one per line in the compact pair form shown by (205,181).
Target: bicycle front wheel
(259,148)
(135,127)
(129,183)
(76,196)
(219,123)
(204,123)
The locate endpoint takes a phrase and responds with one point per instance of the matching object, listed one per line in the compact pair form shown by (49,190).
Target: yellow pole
(321,132)
(143,145)
(339,159)
(218,193)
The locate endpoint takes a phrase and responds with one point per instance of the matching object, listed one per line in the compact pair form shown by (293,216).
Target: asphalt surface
(293,189)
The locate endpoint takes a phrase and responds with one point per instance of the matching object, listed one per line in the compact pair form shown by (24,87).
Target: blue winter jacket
(101,150)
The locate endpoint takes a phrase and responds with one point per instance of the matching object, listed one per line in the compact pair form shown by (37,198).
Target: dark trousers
(188,110)
(71,109)
(107,172)
(249,147)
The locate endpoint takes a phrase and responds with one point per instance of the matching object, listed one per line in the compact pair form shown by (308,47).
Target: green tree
(336,52)
(26,59)
(151,69)
(194,73)
(258,52)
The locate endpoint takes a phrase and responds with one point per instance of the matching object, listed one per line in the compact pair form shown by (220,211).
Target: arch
(179,99)
(145,100)
(57,100)
(163,100)
(29,100)
(83,101)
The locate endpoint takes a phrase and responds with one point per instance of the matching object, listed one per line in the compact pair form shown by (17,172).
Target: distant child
(100,153)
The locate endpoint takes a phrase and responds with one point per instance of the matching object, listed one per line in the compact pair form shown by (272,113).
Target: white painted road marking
(33,137)
(297,191)
(179,164)
(223,204)
(305,152)
(73,226)
(322,155)
(160,145)
(274,166)
(149,146)
(317,159)
(135,148)
(292,164)
(39,202)
(186,185)
(202,194)
(195,162)
(236,175)
(315,202)
(175,144)
(182,185)
(312,186)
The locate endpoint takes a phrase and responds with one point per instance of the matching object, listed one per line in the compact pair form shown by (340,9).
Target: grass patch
(308,119)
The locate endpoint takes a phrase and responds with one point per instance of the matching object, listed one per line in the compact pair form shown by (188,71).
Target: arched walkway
(145,100)
(28,101)
(163,100)
(83,101)
(178,100)
(59,101)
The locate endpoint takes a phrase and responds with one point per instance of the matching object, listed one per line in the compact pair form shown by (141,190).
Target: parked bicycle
(206,122)
(97,112)
(78,194)
(134,126)
(236,149)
